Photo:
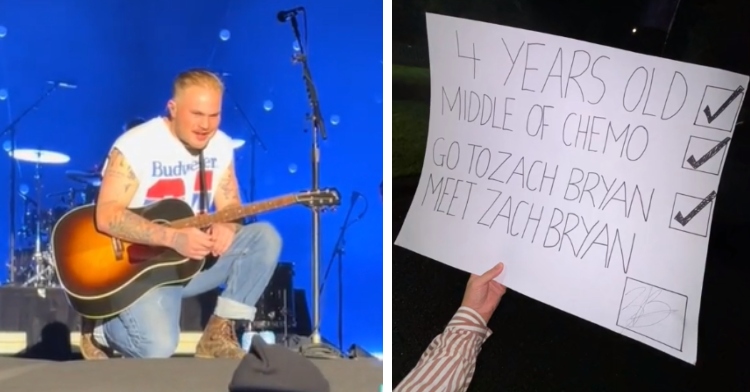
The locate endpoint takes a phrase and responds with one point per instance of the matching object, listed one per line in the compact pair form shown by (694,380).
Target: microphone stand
(316,349)
(11,130)
(254,140)
(338,255)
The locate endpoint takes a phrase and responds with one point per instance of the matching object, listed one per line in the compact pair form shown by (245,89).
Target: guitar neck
(234,213)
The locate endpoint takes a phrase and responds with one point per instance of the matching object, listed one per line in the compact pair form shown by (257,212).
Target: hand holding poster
(591,172)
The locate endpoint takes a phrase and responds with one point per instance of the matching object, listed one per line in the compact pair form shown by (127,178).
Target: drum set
(32,263)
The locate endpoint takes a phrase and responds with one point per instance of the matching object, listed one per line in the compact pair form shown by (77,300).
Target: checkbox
(692,214)
(719,108)
(705,155)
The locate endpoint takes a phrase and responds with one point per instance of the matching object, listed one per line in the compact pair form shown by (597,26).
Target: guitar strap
(203,203)
(202,180)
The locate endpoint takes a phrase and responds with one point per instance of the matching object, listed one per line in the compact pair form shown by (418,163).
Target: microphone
(62,84)
(283,16)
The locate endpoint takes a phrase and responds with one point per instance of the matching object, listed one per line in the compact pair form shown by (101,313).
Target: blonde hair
(196,77)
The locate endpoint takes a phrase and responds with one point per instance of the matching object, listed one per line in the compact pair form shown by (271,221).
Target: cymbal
(39,156)
(85,177)
(237,143)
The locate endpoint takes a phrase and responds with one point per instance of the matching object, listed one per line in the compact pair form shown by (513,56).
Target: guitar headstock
(328,197)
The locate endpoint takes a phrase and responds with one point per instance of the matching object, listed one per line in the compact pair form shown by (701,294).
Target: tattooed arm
(119,185)
(228,192)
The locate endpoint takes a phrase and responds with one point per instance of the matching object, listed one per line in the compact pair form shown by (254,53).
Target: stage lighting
(292,168)
(224,35)
(295,46)
(268,105)
(3,94)
(335,120)
(3,31)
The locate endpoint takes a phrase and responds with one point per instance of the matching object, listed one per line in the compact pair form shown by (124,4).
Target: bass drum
(275,309)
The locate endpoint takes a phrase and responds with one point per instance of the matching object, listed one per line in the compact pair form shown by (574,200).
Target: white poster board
(591,172)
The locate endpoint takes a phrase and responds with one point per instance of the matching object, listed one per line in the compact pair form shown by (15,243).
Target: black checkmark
(684,220)
(710,154)
(711,117)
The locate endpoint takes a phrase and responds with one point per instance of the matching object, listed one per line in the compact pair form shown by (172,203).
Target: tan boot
(219,340)
(89,348)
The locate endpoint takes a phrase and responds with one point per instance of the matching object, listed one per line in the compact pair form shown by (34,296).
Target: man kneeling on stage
(159,159)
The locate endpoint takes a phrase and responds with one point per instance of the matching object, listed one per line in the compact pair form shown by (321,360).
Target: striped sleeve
(448,363)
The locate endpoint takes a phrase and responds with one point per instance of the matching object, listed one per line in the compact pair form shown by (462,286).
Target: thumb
(491,274)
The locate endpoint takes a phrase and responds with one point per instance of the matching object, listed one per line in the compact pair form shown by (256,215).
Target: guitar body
(103,276)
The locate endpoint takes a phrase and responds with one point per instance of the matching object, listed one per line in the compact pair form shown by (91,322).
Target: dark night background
(535,347)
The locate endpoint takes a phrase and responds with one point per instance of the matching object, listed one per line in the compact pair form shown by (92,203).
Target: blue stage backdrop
(122,56)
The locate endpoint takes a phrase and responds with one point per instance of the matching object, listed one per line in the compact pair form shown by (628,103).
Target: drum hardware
(71,198)
(26,232)
(24,267)
(43,275)
(38,222)
(92,181)
(10,131)
(26,199)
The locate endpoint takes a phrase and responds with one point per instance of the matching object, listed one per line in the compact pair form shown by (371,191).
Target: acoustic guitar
(102,276)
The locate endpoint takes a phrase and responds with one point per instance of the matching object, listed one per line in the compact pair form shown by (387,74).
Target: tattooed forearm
(119,184)
(130,227)
(228,192)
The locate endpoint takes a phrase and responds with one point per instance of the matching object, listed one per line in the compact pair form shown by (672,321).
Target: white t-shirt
(164,167)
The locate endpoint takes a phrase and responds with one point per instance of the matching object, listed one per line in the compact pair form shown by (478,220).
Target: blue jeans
(150,328)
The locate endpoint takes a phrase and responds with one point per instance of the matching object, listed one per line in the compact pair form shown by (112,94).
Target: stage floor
(164,375)
(38,326)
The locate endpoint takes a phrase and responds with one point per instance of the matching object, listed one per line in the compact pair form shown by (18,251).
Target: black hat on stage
(272,368)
